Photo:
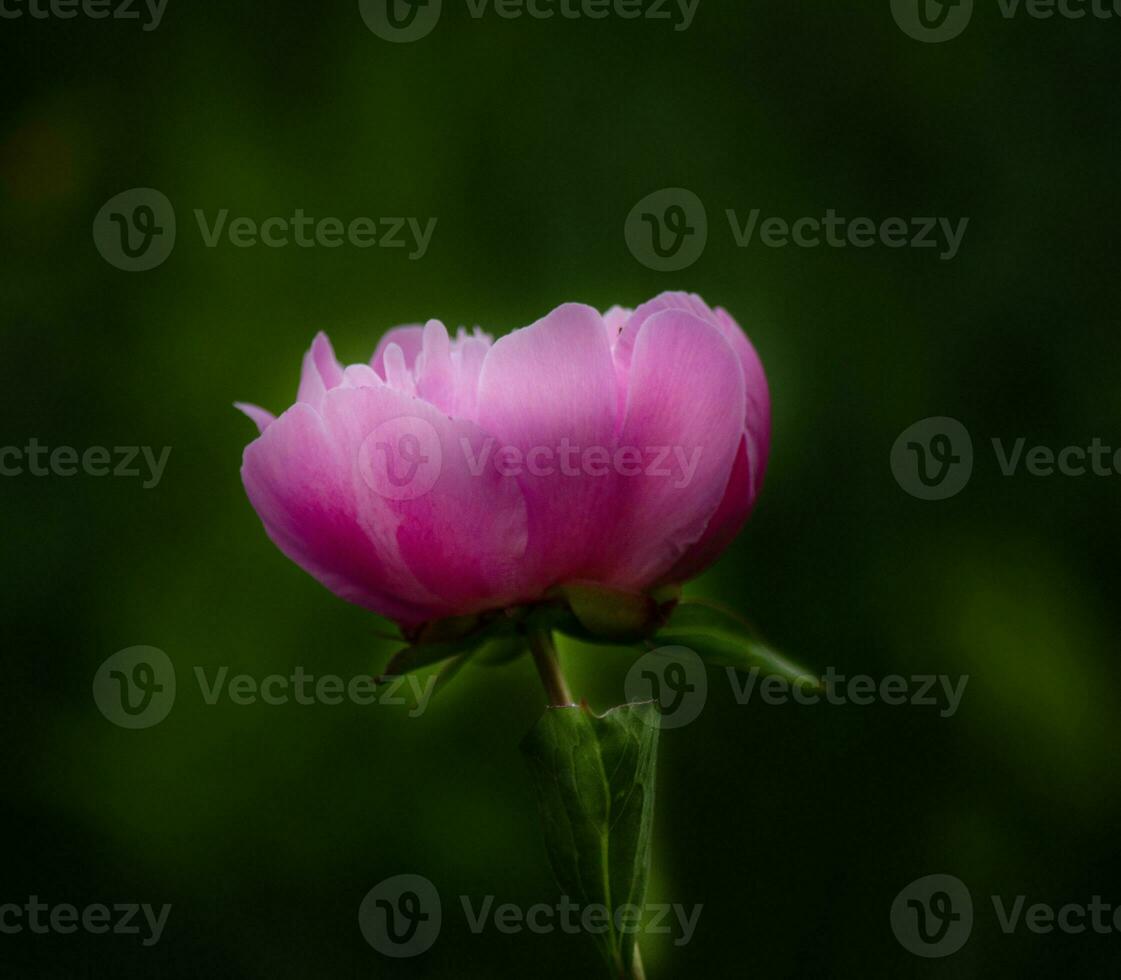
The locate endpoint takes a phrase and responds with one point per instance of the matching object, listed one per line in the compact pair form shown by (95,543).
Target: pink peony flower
(449,477)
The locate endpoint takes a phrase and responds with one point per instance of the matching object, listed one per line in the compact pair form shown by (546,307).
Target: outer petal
(746,480)
(463,535)
(734,509)
(686,397)
(551,388)
(758,407)
(629,331)
(261,417)
(300,483)
(758,391)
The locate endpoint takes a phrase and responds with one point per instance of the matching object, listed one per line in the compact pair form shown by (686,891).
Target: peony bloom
(455,476)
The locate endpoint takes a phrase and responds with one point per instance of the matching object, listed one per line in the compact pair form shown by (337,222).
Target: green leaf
(419,656)
(723,639)
(426,653)
(594,781)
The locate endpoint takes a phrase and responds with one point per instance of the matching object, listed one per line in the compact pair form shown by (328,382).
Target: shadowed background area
(530,141)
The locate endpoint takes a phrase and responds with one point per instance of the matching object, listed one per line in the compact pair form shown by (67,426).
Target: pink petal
(408,338)
(468,355)
(624,347)
(397,374)
(361,376)
(758,406)
(459,532)
(435,378)
(685,394)
(758,392)
(615,319)
(545,387)
(321,371)
(301,484)
(261,417)
(734,509)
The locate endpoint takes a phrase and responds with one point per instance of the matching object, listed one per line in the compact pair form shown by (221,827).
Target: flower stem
(637,972)
(548,667)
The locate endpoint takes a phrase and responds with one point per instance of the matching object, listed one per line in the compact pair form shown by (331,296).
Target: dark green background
(530,141)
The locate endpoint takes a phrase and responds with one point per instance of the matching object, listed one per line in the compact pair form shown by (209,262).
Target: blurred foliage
(530,141)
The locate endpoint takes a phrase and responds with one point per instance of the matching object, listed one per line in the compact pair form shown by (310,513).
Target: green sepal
(723,639)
